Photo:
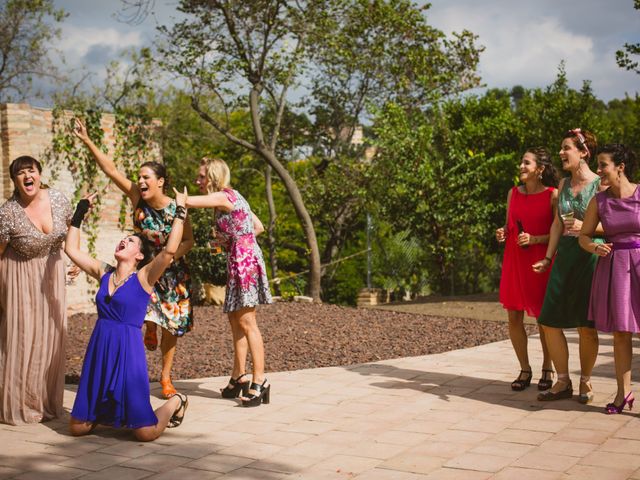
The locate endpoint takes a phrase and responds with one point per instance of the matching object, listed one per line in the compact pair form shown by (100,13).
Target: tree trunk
(271,238)
(303,216)
(268,153)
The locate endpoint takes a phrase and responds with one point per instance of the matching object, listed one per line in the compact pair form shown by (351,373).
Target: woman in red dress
(530,212)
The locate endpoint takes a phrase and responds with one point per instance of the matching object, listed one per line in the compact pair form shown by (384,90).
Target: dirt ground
(300,335)
(481,307)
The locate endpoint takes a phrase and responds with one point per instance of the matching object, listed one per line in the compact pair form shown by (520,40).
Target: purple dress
(615,291)
(114,384)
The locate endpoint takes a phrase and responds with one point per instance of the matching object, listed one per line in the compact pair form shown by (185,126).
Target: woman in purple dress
(114,383)
(615,293)
(247,284)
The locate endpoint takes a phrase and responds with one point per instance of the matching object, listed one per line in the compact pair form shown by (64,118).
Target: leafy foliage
(27,28)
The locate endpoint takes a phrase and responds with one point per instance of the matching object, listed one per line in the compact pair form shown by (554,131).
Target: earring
(540,176)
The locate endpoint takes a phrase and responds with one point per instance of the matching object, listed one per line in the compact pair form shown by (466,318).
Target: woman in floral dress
(247,284)
(170,304)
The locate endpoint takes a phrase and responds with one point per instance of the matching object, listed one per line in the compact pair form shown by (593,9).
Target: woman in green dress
(566,300)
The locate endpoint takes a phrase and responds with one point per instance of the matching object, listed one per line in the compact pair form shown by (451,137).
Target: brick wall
(26,130)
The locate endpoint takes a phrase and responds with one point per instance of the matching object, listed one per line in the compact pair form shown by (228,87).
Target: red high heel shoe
(612,408)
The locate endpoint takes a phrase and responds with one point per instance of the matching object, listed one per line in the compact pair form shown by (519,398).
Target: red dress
(520,287)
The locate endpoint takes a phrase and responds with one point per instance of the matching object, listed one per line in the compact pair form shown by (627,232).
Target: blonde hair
(218,174)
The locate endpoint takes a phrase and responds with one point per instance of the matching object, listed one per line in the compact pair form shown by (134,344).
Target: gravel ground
(299,335)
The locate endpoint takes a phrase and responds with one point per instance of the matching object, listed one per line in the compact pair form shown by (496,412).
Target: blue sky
(524,41)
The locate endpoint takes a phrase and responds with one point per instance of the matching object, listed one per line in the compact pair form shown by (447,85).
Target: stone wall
(26,130)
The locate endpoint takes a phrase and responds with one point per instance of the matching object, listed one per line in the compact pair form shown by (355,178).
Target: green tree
(260,55)
(624,57)
(27,28)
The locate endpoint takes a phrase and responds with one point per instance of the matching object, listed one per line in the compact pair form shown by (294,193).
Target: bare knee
(145,434)
(588,333)
(78,428)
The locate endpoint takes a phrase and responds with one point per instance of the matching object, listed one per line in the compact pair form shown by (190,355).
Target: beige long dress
(33,317)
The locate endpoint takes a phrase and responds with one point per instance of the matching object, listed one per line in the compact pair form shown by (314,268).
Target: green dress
(566,301)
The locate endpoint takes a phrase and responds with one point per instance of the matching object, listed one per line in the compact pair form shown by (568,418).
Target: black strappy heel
(262,396)
(235,388)
(520,383)
(178,416)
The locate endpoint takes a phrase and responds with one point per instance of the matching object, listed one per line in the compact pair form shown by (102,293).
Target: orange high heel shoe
(168,390)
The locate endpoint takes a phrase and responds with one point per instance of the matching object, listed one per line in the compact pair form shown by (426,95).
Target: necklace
(116,283)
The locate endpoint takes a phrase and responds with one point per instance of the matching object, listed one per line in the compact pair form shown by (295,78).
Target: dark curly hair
(145,248)
(584,140)
(620,153)
(543,159)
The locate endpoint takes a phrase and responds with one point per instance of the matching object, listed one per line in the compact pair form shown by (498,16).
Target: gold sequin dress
(32,314)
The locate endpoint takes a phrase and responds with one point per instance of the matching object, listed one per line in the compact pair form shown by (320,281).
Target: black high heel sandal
(178,416)
(521,383)
(546,381)
(235,388)
(262,396)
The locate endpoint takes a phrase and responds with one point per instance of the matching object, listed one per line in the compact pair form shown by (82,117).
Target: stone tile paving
(445,416)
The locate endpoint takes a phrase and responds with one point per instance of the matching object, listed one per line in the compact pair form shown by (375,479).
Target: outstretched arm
(213,200)
(85,261)
(107,165)
(151,273)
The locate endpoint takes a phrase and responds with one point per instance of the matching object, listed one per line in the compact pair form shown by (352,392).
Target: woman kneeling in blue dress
(114,383)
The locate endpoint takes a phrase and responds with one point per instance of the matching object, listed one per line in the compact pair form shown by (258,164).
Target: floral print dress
(247,283)
(170,303)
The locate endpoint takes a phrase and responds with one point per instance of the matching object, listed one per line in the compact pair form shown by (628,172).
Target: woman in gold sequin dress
(33,225)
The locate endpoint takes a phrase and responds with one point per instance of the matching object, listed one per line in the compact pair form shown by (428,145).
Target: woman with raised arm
(615,293)
(247,284)
(114,383)
(170,304)
(33,308)
(566,300)
(530,212)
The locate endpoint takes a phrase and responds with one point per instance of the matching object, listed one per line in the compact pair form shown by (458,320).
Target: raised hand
(79,130)
(181,198)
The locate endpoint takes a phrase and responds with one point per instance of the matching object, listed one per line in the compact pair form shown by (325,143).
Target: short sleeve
(6,223)
(231,195)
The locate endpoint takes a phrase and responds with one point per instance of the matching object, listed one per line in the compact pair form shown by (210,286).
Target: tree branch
(211,121)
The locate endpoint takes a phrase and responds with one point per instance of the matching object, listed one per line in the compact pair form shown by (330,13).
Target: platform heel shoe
(236,388)
(262,395)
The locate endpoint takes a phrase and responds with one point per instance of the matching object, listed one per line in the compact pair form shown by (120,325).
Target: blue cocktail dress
(114,383)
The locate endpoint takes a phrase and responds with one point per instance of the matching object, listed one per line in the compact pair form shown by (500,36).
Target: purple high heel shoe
(612,408)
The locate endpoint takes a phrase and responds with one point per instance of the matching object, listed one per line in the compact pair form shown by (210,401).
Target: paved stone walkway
(445,416)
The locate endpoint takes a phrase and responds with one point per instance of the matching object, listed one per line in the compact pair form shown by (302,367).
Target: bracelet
(181,212)
(595,250)
(547,258)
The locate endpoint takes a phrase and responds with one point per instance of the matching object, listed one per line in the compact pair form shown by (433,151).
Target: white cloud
(526,42)
(77,41)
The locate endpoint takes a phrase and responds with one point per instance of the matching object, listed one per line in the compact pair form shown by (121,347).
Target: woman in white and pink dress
(247,283)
